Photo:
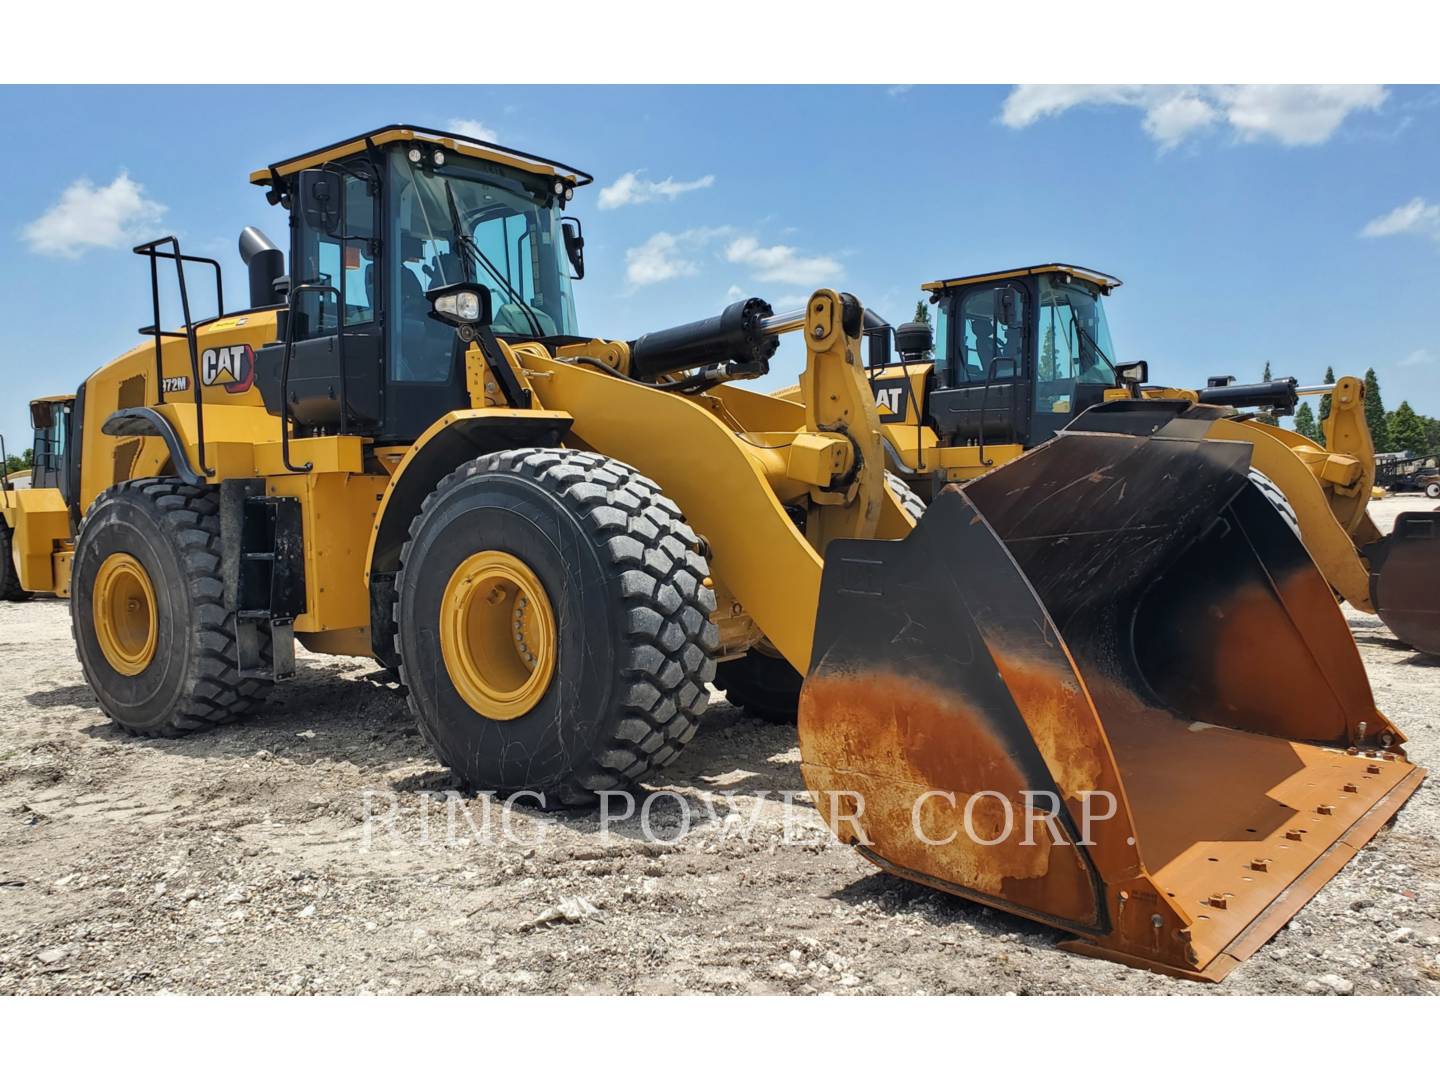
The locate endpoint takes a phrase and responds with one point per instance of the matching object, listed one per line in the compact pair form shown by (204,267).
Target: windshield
(1074,336)
(470,219)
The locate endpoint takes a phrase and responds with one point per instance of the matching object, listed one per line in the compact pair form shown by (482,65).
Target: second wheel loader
(403,449)
(1018,355)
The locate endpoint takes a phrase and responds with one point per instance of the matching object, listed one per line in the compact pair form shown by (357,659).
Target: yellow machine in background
(1018,355)
(35,520)
(404,449)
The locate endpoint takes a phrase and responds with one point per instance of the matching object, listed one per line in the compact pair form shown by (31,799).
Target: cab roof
(392,133)
(1104,281)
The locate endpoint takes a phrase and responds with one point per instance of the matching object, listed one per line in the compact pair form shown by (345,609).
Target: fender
(457,437)
(147,422)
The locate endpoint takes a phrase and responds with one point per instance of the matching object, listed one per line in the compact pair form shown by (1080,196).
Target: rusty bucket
(1103,687)
(1405,579)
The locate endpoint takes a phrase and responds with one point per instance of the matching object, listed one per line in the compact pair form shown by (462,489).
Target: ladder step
(258,556)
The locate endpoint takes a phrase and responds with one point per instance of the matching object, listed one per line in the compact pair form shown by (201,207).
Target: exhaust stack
(266,264)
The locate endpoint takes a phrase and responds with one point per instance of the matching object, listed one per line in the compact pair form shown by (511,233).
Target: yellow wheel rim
(497,635)
(123,609)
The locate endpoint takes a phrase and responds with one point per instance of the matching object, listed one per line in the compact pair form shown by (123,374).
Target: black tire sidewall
(537,751)
(9,575)
(124,523)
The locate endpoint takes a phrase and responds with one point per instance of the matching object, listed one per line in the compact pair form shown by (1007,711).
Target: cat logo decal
(230,366)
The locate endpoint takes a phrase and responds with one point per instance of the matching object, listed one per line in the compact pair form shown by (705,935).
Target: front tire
(765,684)
(147,610)
(9,576)
(762,684)
(599,675)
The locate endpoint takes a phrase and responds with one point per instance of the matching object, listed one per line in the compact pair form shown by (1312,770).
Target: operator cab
(376,224)
(1019,354)
(51,419)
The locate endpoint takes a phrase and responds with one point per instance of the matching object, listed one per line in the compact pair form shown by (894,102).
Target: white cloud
(781,263)
(668,255)
(1418,358)
(1290,115)
(665,256)
(1171,121)
(1294,115)
(1415,216)
(472,129)
(900,89)
(86,216)
(630,189)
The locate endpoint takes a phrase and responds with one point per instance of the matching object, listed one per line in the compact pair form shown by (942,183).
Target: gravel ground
(266,858)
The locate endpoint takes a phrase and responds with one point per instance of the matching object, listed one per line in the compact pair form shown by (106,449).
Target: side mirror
(1134,374)
(574,244)
(1005,307)
(317,195)
(464,306)
(41,414)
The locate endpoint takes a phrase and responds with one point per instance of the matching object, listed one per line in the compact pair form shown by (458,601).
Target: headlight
(459,306)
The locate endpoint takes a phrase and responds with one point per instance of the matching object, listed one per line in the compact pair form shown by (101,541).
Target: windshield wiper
(1094,345)
(470,251)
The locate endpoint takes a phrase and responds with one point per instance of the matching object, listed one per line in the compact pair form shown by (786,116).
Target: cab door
(982,393)
(346,260)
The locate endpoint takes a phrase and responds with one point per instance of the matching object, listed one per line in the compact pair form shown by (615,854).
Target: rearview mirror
(41,414)
(318,197)
(574,244)
(1005,306)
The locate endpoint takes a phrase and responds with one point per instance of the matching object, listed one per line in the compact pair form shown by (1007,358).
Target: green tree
(1375,413)
(1305,422)
(1407,430)
(1049,369)
(1266,417)
(1325,404)
(1432,432)
(922,315)
(20,462)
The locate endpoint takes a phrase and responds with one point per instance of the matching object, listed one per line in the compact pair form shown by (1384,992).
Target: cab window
(1074,345)
(990,339)
(329,260)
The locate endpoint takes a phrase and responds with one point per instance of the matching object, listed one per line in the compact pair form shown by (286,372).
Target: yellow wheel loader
(403,449)
(1018,355)
(35,499)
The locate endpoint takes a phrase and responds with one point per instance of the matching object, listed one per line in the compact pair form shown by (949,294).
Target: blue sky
(1295,225)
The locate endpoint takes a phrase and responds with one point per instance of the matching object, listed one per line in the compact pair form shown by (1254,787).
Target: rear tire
(625,645)
(9,576)
(190,678)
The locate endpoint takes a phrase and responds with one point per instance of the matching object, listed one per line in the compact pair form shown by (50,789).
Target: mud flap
(1103,687)
(1405,579)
